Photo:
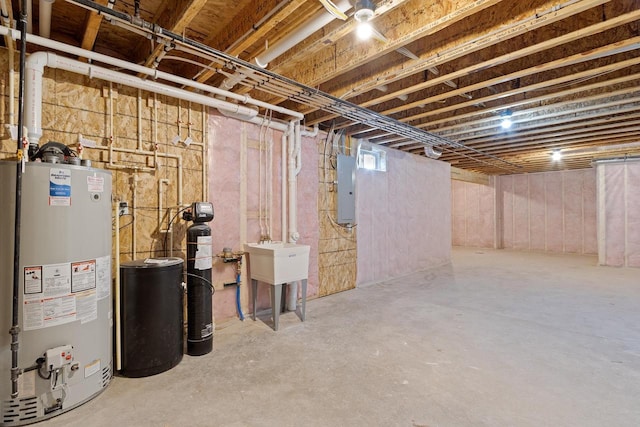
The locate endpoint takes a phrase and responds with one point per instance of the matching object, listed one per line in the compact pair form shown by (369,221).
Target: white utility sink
(278,263)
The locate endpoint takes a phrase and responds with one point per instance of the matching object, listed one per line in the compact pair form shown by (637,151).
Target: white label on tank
(58,311)
(59,187)
(33,315)
(83,276)
(87,306)
(92,368)
(95,184)
(33,280)
(56,279)
(203,253)
(55,305)
(103,276)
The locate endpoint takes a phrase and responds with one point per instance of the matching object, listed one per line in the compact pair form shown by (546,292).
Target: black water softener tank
(199,285)
(151,316)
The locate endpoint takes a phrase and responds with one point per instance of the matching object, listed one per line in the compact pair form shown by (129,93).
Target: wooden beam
(456,49)
(92,22)
(468,176)
(409,22)
(247,23)
(175,18)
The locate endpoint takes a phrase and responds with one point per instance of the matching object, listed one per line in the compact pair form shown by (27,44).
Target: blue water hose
(238,305)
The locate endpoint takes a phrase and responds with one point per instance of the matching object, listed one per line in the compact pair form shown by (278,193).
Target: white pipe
(283,189)
(311,133)
(29,16)
(161,184)
(134,207)
(291,174)
(33,93)
(318,21)
(139,106)
(46,7)
(298,151)
(76,51)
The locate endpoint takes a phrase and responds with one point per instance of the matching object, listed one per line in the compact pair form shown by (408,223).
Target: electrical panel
(346,189)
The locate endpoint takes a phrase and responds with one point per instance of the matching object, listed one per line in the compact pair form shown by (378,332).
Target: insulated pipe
(318,21)
(35,69)
(155,74)
(45,17)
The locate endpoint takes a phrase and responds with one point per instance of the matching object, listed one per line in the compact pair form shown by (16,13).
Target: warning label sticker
(59,187)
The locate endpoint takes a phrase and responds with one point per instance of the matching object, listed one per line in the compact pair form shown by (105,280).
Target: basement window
(371,158)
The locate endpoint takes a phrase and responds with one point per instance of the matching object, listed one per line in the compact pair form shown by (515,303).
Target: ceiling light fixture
(556,155)
(506,119)
(363,14)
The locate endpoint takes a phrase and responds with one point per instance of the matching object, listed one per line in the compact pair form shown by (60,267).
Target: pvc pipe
(139,106)
(283,182)
(46,7)
(35,68)
(161,183)
(318,21)
(292,296)
(292,181)
(134,207)
(29,16)
(245,99)
(312,133)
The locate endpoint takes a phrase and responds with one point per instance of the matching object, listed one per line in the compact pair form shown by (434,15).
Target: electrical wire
(207,282)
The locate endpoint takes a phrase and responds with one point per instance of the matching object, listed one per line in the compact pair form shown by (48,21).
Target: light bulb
(364,30)
(556,155)
(506,123)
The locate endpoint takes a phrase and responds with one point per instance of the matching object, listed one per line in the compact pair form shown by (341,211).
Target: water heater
(65,317)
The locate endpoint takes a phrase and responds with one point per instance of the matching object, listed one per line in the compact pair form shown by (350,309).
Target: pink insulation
(233,172)
(619,213)
(403,216)
(551,211)
(473,214)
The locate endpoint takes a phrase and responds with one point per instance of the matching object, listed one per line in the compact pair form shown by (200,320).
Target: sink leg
(254,294)
(276,297)
(304,298)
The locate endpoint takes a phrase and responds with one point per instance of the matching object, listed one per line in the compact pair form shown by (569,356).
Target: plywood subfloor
(499,338)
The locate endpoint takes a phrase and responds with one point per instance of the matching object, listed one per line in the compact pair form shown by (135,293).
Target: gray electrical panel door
(346,189)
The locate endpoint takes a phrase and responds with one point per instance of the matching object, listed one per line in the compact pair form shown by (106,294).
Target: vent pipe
(46,7)
(318,21)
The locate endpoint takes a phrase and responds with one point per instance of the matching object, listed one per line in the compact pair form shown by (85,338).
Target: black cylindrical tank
(199,290)
(151,316)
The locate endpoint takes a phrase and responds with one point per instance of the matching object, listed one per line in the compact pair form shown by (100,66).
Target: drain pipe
(35,69)
(318,21)
(150,72)
(45,17)
(15,326)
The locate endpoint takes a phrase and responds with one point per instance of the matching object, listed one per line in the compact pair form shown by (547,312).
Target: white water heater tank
(64,310)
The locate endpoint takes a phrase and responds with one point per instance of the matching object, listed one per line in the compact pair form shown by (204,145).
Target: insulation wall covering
(619,213)
(403,216)
(550,211)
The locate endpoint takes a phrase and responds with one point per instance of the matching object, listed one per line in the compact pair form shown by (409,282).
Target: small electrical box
(56,358)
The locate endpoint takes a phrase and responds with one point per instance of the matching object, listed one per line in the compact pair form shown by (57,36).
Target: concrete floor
(498,339)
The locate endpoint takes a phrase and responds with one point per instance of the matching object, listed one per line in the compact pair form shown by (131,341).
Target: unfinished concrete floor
(497,339)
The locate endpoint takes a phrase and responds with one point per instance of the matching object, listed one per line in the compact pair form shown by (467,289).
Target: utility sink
(278,263)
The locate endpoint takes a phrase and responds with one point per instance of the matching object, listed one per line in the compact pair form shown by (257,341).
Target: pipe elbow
(38,60)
